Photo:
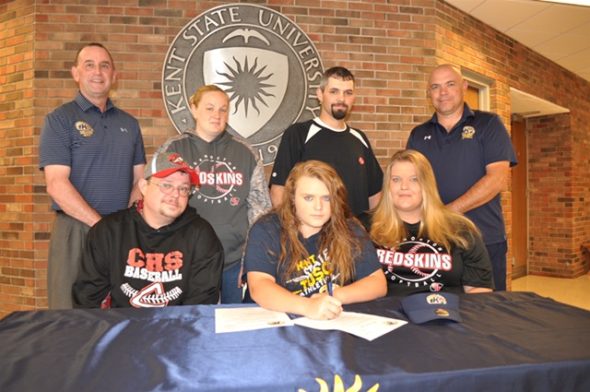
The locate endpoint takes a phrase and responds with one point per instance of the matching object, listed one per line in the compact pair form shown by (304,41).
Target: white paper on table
(366,326)
(248,319)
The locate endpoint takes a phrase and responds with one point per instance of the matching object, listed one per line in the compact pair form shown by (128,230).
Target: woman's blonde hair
(336,235)
(439,223)
(198,95)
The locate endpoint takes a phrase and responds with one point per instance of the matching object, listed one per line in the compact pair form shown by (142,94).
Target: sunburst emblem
(246,85)
(339,385)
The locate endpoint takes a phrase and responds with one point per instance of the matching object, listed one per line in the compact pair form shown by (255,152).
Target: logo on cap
(436,299)
(164,164)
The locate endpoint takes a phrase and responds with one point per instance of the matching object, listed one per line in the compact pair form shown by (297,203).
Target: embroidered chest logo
(468,132)
(84,128)
(416,262)
(220,180)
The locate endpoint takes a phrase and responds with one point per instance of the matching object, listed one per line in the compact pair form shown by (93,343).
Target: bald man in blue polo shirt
(471,154)
(92,155)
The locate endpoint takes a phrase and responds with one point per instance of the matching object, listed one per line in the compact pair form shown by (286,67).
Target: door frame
(519,200)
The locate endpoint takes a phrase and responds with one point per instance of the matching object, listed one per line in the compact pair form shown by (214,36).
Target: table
(507,341)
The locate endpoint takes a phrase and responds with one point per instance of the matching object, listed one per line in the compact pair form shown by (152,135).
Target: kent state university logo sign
(267,65)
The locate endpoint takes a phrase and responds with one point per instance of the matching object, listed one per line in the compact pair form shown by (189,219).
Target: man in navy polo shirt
(471,154)
(92,155)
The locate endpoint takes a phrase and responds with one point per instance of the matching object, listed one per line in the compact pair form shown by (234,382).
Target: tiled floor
(574,292)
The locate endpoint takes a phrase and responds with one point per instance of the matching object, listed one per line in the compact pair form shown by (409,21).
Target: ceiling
(559,32)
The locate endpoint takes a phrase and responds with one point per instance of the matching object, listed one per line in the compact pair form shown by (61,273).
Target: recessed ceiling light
(584,3)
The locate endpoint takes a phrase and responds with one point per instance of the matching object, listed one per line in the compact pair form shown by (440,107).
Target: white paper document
(248,318)
(366,326)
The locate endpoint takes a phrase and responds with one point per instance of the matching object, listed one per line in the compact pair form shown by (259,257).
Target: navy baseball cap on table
(424,307)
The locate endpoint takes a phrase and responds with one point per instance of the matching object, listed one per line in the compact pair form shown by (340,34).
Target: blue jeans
(230,292)
(497,254)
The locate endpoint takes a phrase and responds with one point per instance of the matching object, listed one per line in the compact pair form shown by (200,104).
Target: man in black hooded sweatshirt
(157,253)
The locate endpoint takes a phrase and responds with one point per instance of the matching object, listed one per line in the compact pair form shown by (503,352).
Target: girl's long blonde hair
(438,223)
(336,235)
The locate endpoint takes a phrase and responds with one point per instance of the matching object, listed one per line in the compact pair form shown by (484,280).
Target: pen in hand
(329,283)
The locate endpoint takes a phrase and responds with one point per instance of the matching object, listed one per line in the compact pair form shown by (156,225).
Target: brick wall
(390,45)
(558,212)
(579,191)
(20,270)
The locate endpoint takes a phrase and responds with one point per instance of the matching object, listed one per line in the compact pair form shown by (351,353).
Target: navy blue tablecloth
(507,341)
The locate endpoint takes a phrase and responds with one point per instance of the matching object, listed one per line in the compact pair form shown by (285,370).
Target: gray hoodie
(233,191)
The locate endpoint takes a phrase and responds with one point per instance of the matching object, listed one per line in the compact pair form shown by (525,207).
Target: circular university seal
(267,65)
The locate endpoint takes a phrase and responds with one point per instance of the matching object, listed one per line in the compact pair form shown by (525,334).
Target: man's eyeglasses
(167,188)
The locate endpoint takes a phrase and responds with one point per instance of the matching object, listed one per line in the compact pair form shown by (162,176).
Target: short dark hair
(335,72)
(93,44)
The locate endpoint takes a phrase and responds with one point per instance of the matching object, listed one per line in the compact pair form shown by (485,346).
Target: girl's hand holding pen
(324,307)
